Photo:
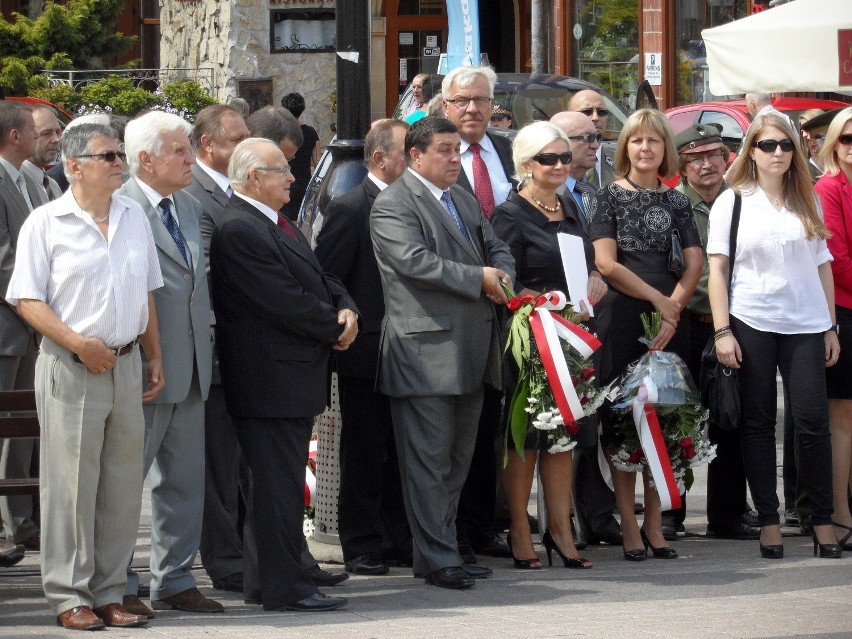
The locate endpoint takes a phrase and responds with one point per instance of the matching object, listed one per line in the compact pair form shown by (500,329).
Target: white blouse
(775,286)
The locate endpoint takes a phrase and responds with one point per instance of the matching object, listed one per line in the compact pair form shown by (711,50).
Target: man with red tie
(486,162)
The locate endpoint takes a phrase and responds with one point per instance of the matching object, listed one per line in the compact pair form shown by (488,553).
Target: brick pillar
(656,27)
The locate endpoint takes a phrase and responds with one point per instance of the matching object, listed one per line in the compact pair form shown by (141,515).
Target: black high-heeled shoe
(663,552)
(826,551)
(772,551)
(550,545)
(844,543)
(523,564)
(638,554)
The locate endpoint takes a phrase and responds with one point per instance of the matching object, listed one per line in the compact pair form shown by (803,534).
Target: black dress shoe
(738,530)
(466,552)
(492,546)
(477,572)
(322,577)
(231,583)
(10,553)
(749,518)
(611,537)
(450,577)
(143,591)
(370,563)
(669,532)
(317,602)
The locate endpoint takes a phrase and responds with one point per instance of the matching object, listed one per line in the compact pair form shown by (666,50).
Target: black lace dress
(641,223)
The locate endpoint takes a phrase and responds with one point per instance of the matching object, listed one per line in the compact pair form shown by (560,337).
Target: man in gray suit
(18,346)
(441,267)
(159,158)
(217,130)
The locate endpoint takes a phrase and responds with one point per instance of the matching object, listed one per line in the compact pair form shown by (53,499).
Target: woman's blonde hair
(799,194)
(828,155)
(530,141)
(659,123)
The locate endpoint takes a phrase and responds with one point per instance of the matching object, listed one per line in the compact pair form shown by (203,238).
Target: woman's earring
(529,175)
(753,170)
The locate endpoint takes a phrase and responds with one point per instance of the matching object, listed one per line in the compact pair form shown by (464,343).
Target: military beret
(698,138)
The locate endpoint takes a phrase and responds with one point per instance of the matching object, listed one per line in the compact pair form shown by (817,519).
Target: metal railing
(157,77)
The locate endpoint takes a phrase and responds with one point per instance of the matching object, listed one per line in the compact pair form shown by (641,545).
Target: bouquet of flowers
(555,386)
(661,419)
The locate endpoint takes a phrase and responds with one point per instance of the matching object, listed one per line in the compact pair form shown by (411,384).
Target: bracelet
(724,328)
(724,333)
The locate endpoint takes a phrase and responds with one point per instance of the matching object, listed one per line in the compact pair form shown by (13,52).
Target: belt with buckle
(703,318)
(118,351)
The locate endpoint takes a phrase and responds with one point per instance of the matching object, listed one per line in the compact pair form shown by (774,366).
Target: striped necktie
(172,227)
(450,206)
(586,193)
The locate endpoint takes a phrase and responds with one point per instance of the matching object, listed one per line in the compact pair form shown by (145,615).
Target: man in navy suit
(278,317)
(370,489)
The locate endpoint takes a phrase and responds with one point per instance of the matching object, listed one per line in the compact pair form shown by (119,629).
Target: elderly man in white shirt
(83,279)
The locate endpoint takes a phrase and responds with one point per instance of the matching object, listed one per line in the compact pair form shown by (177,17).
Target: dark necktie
(482,182)
(585,192)
(285,226)
(172,227)
(45,181)
(447,201)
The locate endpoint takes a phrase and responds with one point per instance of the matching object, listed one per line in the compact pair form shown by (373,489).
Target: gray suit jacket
(440,332)
(183,303)
(14,332)
(608,175)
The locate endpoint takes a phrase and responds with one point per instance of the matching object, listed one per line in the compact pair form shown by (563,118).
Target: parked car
(733,117)
(61,114)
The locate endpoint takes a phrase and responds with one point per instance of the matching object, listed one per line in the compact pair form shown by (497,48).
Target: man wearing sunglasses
(591,104)
(160,161)
(585,142)
(486,172)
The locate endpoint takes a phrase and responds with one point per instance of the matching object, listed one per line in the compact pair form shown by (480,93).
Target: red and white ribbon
(310,476)
(548,328)
(654,445)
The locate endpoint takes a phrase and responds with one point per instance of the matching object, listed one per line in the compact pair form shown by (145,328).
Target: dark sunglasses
(769,146)
(588,138)
(601,112)
(550,159)
(109,156)
(845,139)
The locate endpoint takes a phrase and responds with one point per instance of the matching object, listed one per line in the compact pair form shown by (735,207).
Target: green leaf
(518,417)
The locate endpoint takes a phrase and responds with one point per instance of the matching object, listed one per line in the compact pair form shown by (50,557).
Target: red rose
(587,373)
(689,453)
(635,456)
(584,400)
(685,442)
(514,304)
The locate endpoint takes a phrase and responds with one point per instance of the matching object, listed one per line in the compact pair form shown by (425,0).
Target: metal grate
(328,470)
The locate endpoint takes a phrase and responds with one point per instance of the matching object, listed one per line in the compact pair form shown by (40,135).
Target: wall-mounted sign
(654,68)
(431,51)
(406,38)
(431,41)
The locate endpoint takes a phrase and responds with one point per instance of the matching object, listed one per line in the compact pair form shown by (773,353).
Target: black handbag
(719,385)
(676,263)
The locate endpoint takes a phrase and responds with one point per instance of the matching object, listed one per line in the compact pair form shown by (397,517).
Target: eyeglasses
(461,103)
(588,138)
(109,156)
(817,137)
(699,161)
(274,169)
(550,159)
(769,146)
(602,113)
(845,139)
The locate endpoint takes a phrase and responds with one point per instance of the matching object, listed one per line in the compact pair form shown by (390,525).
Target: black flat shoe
(569,562)
(523,564)
(664,552)
(826,551)
(322,577)
(317,602)
(844,543)
(450,577)
(639,554)
(773,551)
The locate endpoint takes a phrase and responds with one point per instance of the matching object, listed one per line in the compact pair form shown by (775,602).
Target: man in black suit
(370,489)
(216,132)
(486,162)
(278,317)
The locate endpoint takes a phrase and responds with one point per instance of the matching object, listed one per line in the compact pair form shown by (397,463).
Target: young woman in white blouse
(780,314)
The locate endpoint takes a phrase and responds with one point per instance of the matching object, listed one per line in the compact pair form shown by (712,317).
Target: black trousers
(801,361)
(276,451)
(370,509)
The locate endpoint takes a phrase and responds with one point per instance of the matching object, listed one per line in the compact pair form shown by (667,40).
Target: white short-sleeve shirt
(97,286)
(775,286)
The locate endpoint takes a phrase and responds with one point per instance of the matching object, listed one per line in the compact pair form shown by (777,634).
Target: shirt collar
(268,211)
(485,144)
(221,180)
(11,170)
(434,190)
(153,197)
(382,186)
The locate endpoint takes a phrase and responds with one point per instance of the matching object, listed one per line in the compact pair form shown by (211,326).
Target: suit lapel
(162,238)
(210,185)
(10,193)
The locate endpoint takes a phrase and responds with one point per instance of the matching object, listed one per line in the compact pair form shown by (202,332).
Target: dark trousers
(276,451)
(801,361)
(370,505)
(475,520)
(594,501)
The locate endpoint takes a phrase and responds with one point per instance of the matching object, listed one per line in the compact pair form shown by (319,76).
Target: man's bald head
(581,131)
(591,104)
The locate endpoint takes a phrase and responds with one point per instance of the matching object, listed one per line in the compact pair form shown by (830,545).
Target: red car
(61,114)
(734,118)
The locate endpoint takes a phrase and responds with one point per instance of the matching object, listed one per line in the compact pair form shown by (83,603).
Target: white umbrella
(800,46)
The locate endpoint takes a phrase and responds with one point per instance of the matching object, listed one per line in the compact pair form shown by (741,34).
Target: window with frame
(302,31)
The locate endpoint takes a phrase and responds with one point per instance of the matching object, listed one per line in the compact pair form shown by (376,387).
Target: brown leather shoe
(80,618)
(134,606)
(189,601)
(114,615)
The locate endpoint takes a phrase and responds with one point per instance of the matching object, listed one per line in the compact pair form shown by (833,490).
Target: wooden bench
(18,419)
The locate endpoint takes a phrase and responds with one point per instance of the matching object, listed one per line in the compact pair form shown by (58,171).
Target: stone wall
(232,38)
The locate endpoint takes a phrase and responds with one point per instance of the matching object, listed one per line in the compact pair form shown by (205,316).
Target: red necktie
(285,226)
(482,182)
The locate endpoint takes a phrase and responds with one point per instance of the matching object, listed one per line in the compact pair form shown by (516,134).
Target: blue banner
(463,39)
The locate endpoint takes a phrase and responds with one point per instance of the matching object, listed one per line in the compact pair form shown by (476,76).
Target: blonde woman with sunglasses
(779,314)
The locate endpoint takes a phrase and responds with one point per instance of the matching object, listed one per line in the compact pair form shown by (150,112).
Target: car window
(310,215)
(732,132)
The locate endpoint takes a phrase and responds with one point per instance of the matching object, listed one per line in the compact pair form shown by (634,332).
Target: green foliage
(61,94)
(119,93)
(187,94)
(14,77)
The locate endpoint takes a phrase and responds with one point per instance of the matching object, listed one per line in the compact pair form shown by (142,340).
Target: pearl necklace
(550,209)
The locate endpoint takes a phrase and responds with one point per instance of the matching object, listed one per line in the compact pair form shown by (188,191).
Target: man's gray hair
(146,132)
(77,141)
(245,158)
(465,76)
(276,124)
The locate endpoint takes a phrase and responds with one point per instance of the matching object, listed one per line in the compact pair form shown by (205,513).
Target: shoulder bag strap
(732,243)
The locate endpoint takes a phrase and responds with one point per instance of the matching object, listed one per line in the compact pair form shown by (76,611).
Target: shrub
(187,94)
(119,93)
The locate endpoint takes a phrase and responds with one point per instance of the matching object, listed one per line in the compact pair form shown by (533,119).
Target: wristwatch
(835,328)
